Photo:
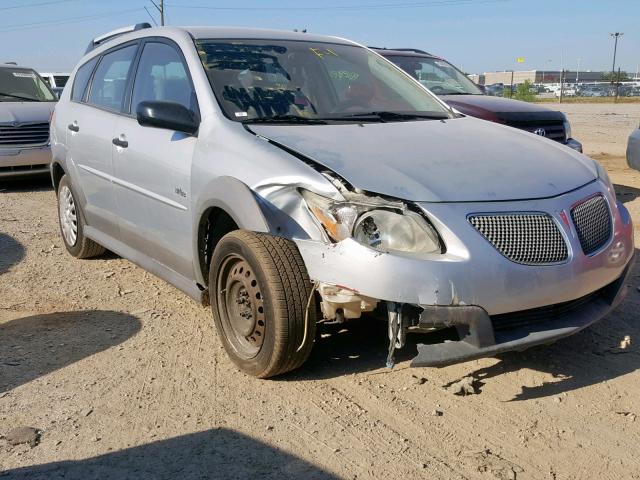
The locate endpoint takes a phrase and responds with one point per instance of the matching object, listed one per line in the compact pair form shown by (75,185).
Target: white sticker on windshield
(241,114)
(24,75)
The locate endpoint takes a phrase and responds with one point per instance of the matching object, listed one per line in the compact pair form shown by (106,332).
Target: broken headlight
(387,228)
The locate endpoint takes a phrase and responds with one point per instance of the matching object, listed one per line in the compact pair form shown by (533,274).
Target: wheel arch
(57,172)
(228,205)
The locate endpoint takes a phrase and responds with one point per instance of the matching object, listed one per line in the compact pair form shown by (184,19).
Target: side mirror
(482,88)
(168,115)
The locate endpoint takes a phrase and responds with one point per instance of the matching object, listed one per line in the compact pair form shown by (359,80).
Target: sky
(476,35)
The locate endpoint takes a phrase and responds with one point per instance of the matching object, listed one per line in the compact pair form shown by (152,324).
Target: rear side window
(162,76)
(82,79)
(110,80)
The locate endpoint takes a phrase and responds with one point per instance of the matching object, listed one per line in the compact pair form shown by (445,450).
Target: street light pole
(615,49)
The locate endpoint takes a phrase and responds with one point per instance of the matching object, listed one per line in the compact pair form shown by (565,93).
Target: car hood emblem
(540,131)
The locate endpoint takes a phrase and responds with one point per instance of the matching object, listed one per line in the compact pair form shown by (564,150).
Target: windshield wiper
(384,116)
(29,99)
(286,119)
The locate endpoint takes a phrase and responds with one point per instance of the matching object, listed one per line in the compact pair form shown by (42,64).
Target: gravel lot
(125,378)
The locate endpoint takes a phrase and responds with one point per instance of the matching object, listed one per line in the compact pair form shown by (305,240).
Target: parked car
(453,86)
(55,80)
(633,149)
(26,104)
(268,171)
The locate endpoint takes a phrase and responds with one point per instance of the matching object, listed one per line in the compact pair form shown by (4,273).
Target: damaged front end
(429,268)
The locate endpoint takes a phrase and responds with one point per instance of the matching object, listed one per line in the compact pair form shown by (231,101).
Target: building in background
(535,76)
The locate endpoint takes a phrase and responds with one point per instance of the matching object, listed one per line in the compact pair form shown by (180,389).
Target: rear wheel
(262,302)
(71,221)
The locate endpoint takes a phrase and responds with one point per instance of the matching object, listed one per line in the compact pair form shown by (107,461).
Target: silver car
(289,179)
(26,104)
(633,150)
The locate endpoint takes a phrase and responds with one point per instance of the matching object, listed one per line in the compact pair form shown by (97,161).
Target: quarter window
(162,76)
(82,79)
(110,80)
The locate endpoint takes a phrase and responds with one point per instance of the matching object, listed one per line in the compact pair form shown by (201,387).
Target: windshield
(437,75)
(23,85)
(268,79)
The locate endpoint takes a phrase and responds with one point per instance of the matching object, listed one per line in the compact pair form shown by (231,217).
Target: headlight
(567,129)
(386,229)
(604,176)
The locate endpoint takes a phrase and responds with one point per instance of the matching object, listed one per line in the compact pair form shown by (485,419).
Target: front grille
(593,223)
(543,314)
(25,135)
(527,238)
(552,129)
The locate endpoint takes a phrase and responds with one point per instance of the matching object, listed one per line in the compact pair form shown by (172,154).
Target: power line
(64,21)
(39,4)
(379,6)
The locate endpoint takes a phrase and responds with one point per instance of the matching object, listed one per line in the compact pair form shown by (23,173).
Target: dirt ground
(125,377)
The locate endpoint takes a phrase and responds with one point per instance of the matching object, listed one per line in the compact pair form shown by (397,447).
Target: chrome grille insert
(28,134)
(526,238)
(593,223)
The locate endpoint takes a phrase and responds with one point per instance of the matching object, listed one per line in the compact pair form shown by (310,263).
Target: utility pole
(615,49)
(578,72)
(160,9)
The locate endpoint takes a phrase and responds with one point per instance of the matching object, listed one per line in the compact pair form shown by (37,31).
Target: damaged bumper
(496,305)
(485,336)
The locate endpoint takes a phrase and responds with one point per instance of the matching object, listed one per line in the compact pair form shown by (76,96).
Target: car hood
(457,160)
(25,112)
(500,109)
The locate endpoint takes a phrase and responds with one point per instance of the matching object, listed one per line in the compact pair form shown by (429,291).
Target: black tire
(82,247)
(258,278)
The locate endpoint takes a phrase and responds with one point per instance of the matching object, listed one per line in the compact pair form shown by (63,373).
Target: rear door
(90,130)
(152,166)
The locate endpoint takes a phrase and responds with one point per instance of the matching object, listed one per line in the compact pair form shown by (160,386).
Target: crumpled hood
(457,160)
(25,112)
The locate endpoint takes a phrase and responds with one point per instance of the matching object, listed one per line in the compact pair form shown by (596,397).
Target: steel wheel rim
(68,216)
(241,306)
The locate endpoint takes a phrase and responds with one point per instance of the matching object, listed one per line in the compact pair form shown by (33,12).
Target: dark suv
(453,86)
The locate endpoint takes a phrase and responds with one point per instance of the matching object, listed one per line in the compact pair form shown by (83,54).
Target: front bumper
(20,162)
(472,275)
(480,338)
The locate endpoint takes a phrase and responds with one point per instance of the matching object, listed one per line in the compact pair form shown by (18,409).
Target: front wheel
(262,302)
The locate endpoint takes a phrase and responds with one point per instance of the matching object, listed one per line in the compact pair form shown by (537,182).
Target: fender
(236,199)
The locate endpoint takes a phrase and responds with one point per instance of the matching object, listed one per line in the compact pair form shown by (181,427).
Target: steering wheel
(437,89)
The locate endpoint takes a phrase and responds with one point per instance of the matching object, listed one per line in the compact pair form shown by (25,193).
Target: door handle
(74,127)
(120,142)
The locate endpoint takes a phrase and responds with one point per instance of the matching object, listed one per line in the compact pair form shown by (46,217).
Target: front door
(152,166)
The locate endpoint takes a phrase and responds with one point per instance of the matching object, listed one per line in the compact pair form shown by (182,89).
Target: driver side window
(162,76)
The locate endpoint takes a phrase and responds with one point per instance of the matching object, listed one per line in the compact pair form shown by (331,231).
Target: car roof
(115,37)
(405,52)
(11,65)
(260,34)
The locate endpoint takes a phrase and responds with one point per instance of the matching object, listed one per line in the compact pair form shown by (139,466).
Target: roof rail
(414,50)
(96,42)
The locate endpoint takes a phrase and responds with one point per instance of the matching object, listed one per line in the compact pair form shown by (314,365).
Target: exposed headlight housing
(386,228)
